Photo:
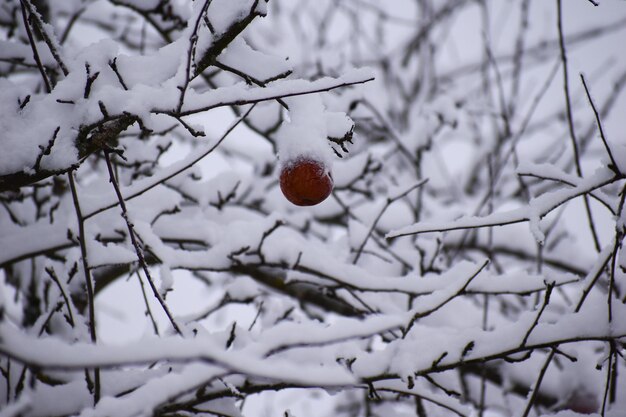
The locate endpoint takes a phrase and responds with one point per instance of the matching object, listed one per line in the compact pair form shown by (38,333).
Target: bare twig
(613,165)
(424,313)
(34,15)
(546,301)
(52,274)
(611,378)
(570,121)
(388,202)
(88,279)
(535,389)
(170,175)
(155,327)
(33,46)
(191,54)
(138,248)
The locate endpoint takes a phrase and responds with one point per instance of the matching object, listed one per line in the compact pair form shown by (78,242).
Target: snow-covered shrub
(468,261)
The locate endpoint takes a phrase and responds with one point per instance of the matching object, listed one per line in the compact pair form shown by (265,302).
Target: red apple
(583,402)
(305,181)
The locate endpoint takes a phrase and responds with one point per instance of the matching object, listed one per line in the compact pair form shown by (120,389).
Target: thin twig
(594,274)
(147,304)
(70,24)
(135,243)
(191,54)
(33,46)
(241,102)
(535,389)
(45,35)
(609,372)
(52,274)
(546,301)
(570,121)
(388,202)
(172,174)
(599,122)
(420,314)
(518,55)
(88,279)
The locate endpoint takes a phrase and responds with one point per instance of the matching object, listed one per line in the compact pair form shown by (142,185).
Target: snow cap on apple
(304,153)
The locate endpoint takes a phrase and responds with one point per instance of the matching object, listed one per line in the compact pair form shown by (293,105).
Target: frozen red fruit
(305,182)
